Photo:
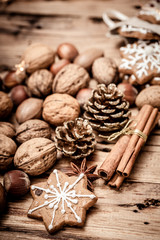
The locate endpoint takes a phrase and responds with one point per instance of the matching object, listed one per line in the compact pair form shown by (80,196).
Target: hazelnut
(16,183)
(2,199)
(67,51)
(29,109)
(59,108)
(7,151)
(10,79)
(6,105)
(56,67)
(92,84)
(18,94)
(83,95)
(105,70)
(130,93)
(40,82)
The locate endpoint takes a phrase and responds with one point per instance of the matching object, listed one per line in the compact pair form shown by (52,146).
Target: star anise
(89,172)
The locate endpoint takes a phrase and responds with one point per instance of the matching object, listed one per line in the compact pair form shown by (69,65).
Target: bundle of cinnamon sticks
(119,162)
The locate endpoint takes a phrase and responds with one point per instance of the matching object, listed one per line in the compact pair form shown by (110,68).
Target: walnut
(105,70)
(40,83)
(6,105)
(7,151)
(35,156)
(38,56)
(70,79)
(32,129)
(58,108)
(7,129)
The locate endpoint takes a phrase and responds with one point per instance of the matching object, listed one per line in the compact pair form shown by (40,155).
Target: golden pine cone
(75,139)
(107,110)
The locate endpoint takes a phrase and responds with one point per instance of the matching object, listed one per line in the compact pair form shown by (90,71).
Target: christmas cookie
(151,12)
(61,200)
(142,60)
(137,32)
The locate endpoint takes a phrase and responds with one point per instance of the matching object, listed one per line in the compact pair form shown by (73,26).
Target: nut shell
(67,51)
(83,95)
(87,58)
(7,129)
(70,79)
(130,93)
(11,79)
(6,105)
(29,109)
(149,95)
(56,67)
(58,108)
(105,70)
(7,151)
(16,183)
(2,199)
(32,129)
(18,94)
(35,156)
(38,56)
(40,82)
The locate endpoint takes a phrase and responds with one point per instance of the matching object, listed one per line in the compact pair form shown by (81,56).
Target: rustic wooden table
(117,214)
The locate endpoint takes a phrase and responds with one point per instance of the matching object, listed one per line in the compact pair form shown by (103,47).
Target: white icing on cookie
(61,195)
(143,56)
(154,12)
(129,28)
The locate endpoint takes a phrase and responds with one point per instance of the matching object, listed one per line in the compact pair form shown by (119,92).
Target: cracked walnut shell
(59,108)
(70,79)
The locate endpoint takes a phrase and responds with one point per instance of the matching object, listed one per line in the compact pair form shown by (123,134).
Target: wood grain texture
(117,215)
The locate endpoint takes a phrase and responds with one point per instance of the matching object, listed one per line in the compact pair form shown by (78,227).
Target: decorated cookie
(151,12)
(61,200)
(155,81)
(142,60)
(137,32)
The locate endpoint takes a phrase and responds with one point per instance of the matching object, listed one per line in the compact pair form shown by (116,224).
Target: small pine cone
(75,138)
(107,110)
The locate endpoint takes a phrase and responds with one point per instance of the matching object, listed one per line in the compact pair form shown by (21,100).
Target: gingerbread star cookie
(61,200)
(142,60)
(151,12)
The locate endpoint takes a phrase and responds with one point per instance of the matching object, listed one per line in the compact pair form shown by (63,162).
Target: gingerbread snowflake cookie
(151,12)
(137,32)
(61,200)
(142,60)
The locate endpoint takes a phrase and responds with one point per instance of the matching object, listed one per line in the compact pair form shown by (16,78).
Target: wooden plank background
(117,214)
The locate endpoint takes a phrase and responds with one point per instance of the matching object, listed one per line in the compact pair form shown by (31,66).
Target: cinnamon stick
(116,181)
(152,121)
(110,164)
(133,141)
